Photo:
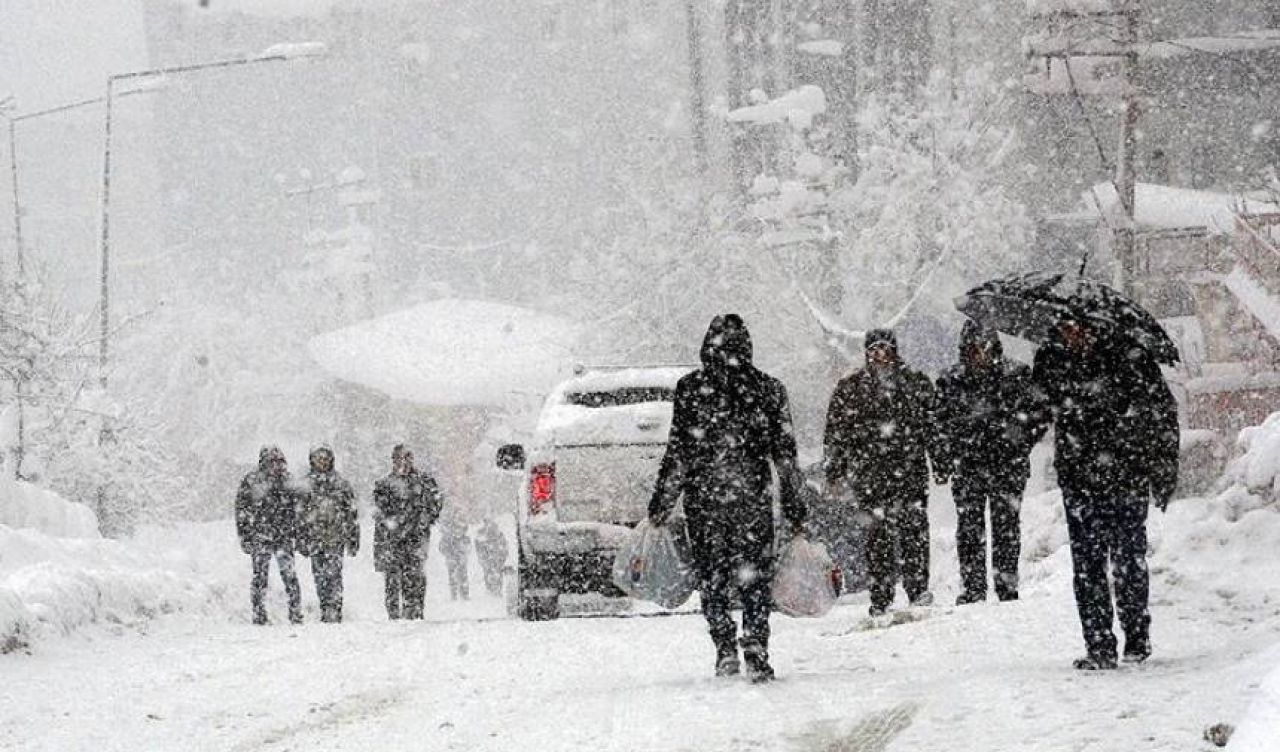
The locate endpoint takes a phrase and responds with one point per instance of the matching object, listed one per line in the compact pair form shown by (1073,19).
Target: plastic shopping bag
(650,566)
(806,581)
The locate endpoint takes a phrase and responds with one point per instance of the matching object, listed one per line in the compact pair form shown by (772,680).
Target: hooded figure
(989,420)
(1115,451)
(267,524)
(406,503)
(879,438)
(730,430)
(328,528)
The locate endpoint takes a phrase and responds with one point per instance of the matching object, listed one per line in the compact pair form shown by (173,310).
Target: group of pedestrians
(317,516)
(889,427)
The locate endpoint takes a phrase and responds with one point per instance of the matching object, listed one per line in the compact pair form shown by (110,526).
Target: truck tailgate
(606,482)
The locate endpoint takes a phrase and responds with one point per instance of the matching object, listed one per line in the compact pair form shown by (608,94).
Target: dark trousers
(406,588)
(327,570)
(258,585)
(747,577)
(456,564)
(975,493)
(897,543)
(1107,527)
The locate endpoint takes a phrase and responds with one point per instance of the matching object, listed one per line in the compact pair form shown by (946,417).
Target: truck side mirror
(510,457)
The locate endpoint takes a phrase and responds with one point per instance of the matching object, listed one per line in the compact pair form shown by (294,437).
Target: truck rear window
(618,397)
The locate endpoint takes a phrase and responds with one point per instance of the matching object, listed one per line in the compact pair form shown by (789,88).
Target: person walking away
(879,438)
(266,522)
(405,505)
(455,545)
(730,423)
(989,422)
(1115,452)
(491,550)
(328,528)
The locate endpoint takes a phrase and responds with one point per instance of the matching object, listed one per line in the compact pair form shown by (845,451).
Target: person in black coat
(989,420)
(730,423)
(879,438)
(267,524)
(1116,450)
(405,505)
(328,528)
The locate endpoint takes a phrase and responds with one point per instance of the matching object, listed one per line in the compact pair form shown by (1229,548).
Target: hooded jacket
(988,416)
(730,422)
(1116,420)
(328,520)
(404,509)
(266,506)
(881,429)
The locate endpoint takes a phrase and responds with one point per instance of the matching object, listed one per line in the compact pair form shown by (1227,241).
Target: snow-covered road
(989,677)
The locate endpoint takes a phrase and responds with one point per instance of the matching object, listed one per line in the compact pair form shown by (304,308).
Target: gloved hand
(353,549)
(1161,502)
(246,546)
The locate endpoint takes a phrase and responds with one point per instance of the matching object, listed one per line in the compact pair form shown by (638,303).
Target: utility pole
(1126,181)
(697,87)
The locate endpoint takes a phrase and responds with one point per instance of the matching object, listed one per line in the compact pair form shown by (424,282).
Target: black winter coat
(267,512)
(328,520)
(880,434)
(404,508)
(1116,420)
(989,417)
(730,421)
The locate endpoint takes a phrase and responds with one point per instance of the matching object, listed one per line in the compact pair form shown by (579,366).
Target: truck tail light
(542,487)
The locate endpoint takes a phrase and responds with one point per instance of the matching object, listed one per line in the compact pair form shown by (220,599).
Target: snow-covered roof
(1166,207)
(1245,41)
(1072,7)
(452,352)
(609,380)
(797,106)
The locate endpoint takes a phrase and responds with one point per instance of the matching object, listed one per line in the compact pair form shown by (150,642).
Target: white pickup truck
(589,472)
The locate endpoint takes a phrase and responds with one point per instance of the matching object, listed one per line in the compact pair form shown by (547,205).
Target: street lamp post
(23,375)
(274,54)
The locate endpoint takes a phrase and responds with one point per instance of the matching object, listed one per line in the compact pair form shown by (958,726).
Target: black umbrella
(1031,305)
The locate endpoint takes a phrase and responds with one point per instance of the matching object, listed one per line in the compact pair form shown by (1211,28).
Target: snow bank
(25,506)
(50,586)
(1258,469)
(1260,729)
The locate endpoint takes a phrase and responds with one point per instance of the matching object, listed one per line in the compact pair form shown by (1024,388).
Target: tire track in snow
(872,733)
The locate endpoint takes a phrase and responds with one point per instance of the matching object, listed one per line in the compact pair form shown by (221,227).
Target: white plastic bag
(651,567)
(805,581)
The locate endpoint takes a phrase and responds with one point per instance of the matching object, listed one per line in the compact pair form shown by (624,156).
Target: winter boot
(727,663)
(923,599)
(1136,651)
(1094,662)
(966,598)
(756,655)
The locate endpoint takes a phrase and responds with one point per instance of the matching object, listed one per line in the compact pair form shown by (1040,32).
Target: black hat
(881,337)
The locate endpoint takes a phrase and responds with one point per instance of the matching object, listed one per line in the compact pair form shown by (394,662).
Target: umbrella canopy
(452,352)
(1031,305)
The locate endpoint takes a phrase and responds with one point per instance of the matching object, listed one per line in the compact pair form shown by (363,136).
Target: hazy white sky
(57,51)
